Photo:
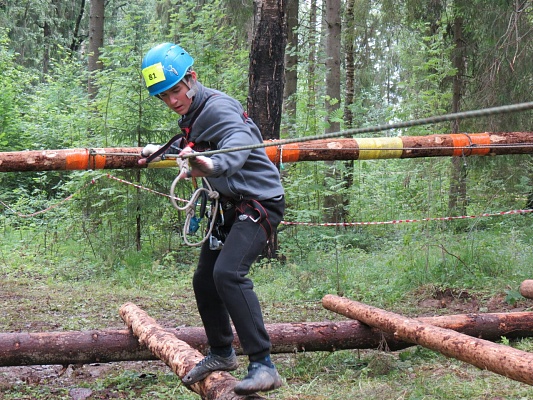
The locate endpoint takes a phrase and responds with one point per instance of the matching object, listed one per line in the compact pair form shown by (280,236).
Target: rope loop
(190,207)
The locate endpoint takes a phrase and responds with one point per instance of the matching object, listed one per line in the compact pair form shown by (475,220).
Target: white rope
(190,207)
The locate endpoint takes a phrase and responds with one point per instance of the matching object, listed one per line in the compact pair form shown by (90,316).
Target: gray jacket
(223,124)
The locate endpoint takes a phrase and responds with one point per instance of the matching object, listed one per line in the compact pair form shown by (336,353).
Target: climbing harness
(249,208)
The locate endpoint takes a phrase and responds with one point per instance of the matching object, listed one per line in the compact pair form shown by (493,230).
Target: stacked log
(115,345)
(503,360)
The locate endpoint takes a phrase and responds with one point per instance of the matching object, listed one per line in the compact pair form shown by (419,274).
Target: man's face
(176,98)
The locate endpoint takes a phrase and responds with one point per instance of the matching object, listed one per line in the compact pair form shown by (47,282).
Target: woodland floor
(41,311)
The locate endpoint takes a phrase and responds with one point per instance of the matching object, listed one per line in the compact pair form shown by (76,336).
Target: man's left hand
(199,165)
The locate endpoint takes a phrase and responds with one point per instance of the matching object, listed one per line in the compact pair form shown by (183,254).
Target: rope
(190,207)
(399,221)
(373,129)
(214,193)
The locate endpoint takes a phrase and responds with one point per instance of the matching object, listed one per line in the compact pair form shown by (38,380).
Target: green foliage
(16,81)
(219,51)
(87,245)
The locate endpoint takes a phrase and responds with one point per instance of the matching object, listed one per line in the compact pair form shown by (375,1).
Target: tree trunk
(76,39)
(334,210)
(291,65)
(96,41)
(178,355)
(457,195)
(526,288)
(349,29)
(311,65)
(503,360)
(47,348)
(266,75)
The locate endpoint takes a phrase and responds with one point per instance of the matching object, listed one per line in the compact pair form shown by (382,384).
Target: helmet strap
(192,86)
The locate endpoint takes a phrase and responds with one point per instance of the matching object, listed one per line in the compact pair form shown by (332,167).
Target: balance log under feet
(503,360)
(178,355)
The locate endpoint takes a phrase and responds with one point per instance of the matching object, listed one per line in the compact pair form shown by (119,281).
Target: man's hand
(199,165)
(147,151)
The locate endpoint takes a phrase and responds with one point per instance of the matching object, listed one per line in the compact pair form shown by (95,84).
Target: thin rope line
(378,128)
(473,146)
(399,221)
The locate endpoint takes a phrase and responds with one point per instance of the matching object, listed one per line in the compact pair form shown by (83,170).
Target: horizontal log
(504,360)
(101,346)
(441,145)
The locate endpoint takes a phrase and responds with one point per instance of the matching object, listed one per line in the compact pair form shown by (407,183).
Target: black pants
(222,289)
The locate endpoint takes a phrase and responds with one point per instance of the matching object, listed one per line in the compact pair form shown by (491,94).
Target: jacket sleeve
(223,124)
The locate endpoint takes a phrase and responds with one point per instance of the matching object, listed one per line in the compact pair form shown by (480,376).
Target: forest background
(71,79)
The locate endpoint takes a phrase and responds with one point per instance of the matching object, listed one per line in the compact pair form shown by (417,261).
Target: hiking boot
(260,378)
(210,363)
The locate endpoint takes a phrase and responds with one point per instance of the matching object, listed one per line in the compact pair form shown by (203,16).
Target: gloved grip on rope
(153,152)
(199,166)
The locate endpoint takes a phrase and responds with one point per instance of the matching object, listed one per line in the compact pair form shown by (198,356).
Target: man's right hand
(147,151)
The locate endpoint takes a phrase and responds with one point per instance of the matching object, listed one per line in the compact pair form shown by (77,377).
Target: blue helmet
(164,66)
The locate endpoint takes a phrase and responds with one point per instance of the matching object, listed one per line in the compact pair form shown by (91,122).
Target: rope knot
(213,195)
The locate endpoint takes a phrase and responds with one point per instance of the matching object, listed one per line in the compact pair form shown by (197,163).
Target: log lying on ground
(503,360)
(178,355)
(526,288)
(45,348)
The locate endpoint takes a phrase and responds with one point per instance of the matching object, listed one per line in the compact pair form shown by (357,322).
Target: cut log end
(526,288)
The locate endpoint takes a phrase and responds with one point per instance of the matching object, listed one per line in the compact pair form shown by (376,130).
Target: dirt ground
(429,303)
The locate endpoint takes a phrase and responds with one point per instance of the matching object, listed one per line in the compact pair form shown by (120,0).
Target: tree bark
(178,355)
(474,144)
(47,348)
(291,65)
(457,199)
(349,51)
(503,360)
(334,205)
(96,41)
(526,288)
(266,75)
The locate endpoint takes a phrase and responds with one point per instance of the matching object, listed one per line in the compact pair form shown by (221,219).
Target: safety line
(378,128)
(328,224)
(279,144)
(144,188)
(399,221)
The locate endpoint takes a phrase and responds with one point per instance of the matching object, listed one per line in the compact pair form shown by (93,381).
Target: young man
(250,190)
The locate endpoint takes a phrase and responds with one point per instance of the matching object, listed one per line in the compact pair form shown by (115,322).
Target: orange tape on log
(287,153)
(465,143)
(83,160)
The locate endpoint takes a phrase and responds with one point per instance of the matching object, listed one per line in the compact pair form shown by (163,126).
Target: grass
(63,286)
